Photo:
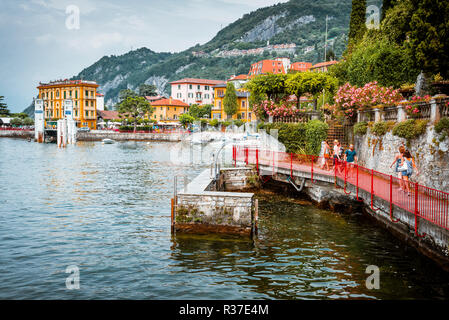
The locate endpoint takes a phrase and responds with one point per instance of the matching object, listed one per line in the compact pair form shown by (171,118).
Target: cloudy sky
(38,46)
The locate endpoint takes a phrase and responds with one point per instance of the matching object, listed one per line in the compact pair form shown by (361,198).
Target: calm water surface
(106,209)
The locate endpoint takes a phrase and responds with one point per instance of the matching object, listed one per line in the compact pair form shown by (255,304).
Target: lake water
(106,210)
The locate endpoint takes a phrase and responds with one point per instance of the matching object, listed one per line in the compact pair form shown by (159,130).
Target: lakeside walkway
(424,202)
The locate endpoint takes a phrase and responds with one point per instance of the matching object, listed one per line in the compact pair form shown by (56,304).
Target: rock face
(431,156)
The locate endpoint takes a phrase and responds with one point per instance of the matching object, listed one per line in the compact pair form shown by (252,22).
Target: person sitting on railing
(350,158)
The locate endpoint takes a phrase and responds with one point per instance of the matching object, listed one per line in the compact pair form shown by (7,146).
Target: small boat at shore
(107,141)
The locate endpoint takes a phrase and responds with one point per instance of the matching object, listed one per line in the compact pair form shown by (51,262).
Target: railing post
(311,171)
(372,191)
(416,209)
(291,165)
(391,200)
(257,161)
(246,155)
(357,183)
(335,172)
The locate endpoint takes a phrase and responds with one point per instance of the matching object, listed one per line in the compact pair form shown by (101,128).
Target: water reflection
(106,209)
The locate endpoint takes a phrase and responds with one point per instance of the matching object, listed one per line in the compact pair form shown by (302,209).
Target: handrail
(423,202)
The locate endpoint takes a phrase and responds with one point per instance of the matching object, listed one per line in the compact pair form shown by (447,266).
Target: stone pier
(202,208)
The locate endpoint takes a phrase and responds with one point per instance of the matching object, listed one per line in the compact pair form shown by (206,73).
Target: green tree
(4,111)
(136,107)
(386,5)
(28,121)
(230,102)
(428,39)
(186,119)
(124,94)
(357,26)
(295,86)
(16,121)
(147,90)
(317,82)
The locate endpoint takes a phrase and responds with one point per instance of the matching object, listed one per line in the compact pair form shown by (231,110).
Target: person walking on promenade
(397,161)
(326,152)
(409,163)
(350,158)
(337,156)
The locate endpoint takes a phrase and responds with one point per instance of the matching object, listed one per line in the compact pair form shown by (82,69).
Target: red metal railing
(423,202)
(16,129)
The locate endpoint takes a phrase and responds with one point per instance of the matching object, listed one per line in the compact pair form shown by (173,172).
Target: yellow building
(83,94)
(244,112)
(168,110)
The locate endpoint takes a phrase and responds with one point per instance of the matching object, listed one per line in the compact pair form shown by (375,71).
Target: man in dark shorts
(351,158)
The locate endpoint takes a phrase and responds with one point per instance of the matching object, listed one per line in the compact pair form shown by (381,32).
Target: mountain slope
(298,23)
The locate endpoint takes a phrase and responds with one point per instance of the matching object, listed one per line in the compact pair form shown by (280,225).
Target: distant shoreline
(98,136)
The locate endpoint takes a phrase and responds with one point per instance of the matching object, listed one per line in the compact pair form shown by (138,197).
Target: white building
(100,101)
(194,91)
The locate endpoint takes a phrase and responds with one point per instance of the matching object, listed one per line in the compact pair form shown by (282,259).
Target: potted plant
(407,90)
(439,85)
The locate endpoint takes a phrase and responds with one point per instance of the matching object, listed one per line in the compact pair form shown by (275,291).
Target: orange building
(168,110)
(268,66)
(83,94)
(301,66)
(322,66)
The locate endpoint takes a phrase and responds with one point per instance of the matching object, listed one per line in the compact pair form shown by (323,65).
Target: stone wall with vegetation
(377,144)
(219,209)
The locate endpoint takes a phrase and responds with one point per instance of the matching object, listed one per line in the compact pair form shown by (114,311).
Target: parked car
(87,129)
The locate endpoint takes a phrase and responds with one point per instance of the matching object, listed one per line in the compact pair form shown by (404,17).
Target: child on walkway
(397,160)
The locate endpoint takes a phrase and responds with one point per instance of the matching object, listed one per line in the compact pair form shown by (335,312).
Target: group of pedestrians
(337,154)
(405,163)
(404,168)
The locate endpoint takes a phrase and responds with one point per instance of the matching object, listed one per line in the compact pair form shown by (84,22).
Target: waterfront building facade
(100,101)
(83,94)
(239,81)
(276,66)
(301,66)
(323,66)
(168,110)
(244,113)
(194,91)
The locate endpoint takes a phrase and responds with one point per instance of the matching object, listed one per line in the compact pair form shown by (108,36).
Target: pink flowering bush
(349,98)
(281,109)
(414,107)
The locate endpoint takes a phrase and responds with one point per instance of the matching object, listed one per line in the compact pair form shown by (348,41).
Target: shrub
(301,137)
(226,123)
(410,129)
(442,128)
(238,123)
(213,123)
(360,128)
(126,128)
(316,132)
(380,128)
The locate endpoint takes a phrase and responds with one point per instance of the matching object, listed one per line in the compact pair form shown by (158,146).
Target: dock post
(256,215)
(172,215)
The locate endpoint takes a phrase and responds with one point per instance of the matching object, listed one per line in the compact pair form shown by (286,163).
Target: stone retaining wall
(431,156)
(17,134)
(126,136)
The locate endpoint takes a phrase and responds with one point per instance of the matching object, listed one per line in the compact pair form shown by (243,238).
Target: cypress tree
(386,4)
(230,102)
(3,107)
(428,39)
(357,25)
